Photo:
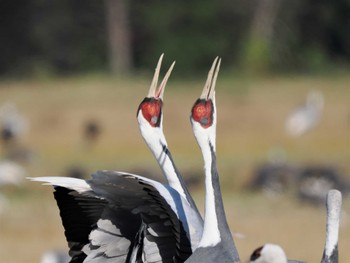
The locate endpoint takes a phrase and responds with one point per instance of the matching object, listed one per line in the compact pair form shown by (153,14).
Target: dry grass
(251,121)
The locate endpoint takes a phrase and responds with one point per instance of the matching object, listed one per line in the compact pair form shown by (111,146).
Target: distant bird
(273,178)
(270,253)
(11,173)
(216,244)
(314,182)
(306,117)
(333,204)
(55,256)
(12,123)
(92,130)
(150,120)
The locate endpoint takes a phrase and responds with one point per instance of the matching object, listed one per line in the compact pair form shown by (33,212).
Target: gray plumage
(55,256)
(225,251)
(333,204)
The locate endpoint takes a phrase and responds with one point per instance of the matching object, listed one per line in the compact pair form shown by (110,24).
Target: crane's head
(268,253)
(149,113)
(203,113)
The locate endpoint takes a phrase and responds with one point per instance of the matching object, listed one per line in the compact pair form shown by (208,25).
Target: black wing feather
(73,208)
(132,206)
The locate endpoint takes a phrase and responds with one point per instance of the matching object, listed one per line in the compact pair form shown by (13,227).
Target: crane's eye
(202,112)
(151,109)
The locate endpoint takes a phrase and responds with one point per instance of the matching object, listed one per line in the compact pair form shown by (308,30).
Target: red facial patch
(151,109)
(202,112)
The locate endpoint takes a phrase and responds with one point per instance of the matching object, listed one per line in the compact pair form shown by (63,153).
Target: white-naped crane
(307,116)
(216,244)
(270,253)
(333,204)
(150,120)
(122,217)
(11,173)
(12,123)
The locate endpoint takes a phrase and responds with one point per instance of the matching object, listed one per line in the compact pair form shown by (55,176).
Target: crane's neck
(215,223)
(211,233)
(216,229)
(332,235)
(156,142)
(332,229)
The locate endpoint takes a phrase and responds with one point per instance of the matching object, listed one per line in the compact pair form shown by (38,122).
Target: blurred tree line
(73,36)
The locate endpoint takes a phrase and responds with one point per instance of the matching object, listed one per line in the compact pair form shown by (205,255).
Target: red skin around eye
(202,113)
(151,111)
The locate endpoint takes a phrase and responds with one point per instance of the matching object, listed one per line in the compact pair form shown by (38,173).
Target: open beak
(153,92)
(209,87)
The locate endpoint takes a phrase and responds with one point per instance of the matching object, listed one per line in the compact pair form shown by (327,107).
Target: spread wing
(120,217)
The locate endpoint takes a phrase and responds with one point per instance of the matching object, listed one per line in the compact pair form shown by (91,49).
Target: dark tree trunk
(258,47)
(264,19)
(120,55)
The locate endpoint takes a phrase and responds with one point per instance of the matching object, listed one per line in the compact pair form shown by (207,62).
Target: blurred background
(73,73)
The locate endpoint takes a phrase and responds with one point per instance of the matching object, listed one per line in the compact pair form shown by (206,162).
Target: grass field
(251,115)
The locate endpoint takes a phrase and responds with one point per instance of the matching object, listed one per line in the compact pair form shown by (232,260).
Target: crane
(216,244)
(307,116)
(12,123)
(270,253)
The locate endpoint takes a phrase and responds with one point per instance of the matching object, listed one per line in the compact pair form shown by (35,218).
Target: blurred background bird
(306,117)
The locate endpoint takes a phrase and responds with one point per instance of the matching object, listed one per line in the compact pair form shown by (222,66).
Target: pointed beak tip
(152,90)
(209,87)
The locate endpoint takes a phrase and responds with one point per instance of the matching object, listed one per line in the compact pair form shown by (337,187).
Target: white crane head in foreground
(268,253)
(307,116)
(149,113)
(150,120)
(216,244)
(333,204)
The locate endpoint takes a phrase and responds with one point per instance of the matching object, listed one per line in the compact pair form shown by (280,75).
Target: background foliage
(67,37)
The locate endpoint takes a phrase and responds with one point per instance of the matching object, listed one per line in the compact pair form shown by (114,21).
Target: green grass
(251,115)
